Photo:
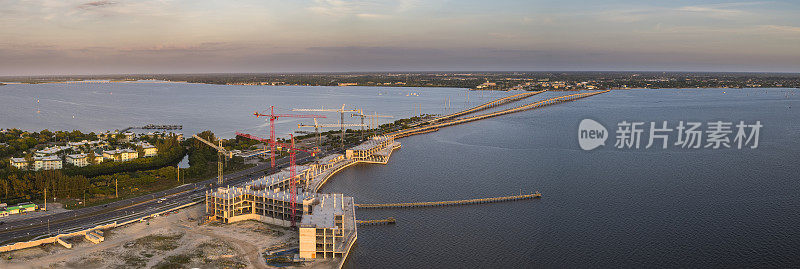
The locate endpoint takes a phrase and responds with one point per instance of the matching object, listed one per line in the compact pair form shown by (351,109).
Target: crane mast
(272,117)
(222,153)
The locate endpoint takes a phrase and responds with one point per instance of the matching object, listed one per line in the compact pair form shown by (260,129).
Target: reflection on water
(605,208)
(198,107)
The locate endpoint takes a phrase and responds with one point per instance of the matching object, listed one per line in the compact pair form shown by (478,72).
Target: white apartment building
(120,155)
(19,163)
(79,160)
(51,162)
(149,150)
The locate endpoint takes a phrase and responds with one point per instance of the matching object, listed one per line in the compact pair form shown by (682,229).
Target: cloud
(782,28)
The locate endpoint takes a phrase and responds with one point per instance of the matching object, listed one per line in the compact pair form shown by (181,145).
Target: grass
(159,242)
(174,261)
(134,261)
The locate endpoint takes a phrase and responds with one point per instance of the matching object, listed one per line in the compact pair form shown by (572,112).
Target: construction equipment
(272,117)
(341,120)
(318,125)
(222,153)
(292,169)
(361,114)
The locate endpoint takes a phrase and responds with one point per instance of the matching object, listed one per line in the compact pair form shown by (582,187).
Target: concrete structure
(149,150)
(79,160)
(375,150)
(47,163)
(120,155)
(327,222)
(328,228)
(19,163)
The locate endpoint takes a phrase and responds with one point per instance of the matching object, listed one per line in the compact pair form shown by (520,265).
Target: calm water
(198,107)
(606,208)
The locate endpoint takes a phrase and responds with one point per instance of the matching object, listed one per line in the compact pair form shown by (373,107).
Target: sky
(55,37)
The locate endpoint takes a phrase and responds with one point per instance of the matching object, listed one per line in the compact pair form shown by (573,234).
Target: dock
(385,221)
(456,202)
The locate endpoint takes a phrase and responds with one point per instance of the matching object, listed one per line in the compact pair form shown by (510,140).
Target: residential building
(19,163)
(79,160)
(120,155)
(51,150)
(51,162)
(149,150)
(91,144)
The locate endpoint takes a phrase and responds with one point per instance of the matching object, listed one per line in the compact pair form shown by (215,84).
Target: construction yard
(175,240)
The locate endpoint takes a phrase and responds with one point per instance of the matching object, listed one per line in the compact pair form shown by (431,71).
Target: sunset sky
(197,36)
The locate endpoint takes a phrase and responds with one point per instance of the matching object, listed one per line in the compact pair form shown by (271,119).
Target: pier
(154,127)
(385,221)
(456,202)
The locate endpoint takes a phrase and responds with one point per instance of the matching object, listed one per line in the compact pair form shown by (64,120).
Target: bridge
(543,103)
(484,106)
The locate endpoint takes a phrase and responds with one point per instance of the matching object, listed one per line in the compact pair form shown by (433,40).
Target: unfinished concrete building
(326,222)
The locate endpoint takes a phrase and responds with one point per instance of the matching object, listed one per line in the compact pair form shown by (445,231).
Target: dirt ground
(172,241)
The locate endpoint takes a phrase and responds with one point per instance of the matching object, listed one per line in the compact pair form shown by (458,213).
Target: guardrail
(107,224)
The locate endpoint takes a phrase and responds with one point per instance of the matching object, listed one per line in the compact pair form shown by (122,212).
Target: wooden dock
(456,202)
(389,220)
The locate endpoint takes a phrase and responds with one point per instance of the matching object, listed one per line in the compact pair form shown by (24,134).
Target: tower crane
(341,120)
(222,153)
(361,114)
(318,125)
(292,169)
(272,117)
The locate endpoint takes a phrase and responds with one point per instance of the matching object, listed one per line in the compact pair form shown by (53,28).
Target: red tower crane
(272,117)
(292,169)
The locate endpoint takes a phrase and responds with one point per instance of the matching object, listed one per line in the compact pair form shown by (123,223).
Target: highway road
(129,209)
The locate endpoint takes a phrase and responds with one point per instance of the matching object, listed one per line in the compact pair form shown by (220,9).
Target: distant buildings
(79,160)
(48,158)
(486,85)
(120,155)
(19,163)
(149,150)
(51,150)
(51,162)
(20,208)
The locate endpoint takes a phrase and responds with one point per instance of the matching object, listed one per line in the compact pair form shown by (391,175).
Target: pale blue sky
(183,36)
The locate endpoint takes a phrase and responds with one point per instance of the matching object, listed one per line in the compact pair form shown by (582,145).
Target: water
(222,109)
(605,208)
(609,207)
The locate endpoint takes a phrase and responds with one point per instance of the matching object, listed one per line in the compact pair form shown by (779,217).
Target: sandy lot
(172,241)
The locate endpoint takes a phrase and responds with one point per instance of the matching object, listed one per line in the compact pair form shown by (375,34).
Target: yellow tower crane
(361,114)
(222,153)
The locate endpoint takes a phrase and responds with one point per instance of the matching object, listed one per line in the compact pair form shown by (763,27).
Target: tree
(90,156)
(29,161)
